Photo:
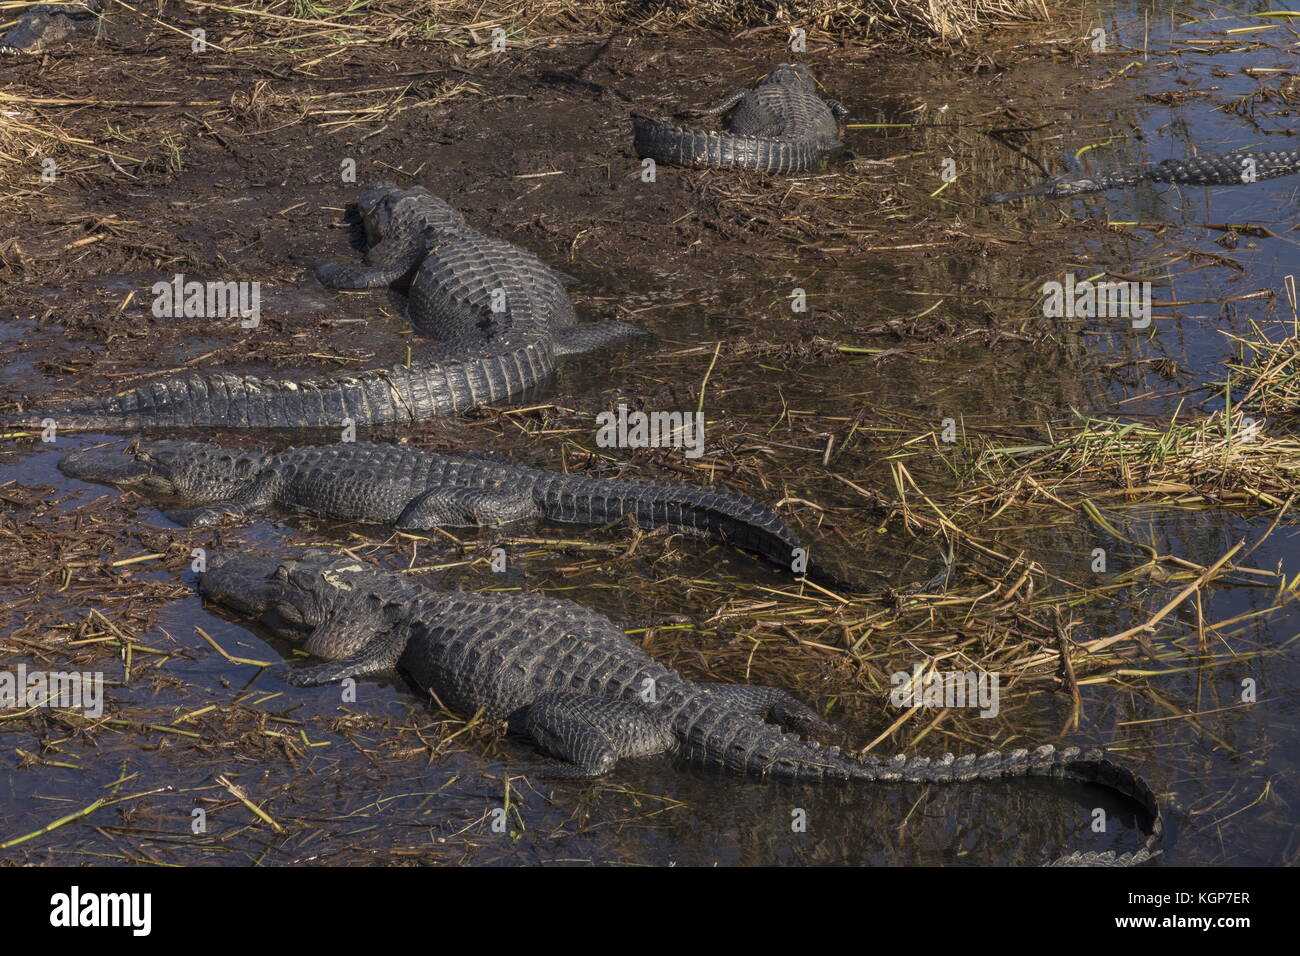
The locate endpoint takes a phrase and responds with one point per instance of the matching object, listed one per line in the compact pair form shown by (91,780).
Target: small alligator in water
(44,25)
(503,314)
(782,126)
(417,490)
(1225,169)
(570,679)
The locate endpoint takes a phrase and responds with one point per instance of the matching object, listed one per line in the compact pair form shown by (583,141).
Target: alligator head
(791,73)
(1060,186)
(246,583)
(328,596)
(375,204)
(192,470)
(46,24)
(38,30)
(385,206)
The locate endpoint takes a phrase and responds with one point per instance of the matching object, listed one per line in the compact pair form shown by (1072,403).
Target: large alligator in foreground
(782,126)
(569,678)
(417,490)
(1224,169)
(503,315)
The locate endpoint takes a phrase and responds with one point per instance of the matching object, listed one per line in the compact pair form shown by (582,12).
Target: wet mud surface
(922,307)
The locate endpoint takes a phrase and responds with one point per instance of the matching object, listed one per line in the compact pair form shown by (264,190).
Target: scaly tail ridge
(680,146)
(706,512)
(766,751)
(504,369)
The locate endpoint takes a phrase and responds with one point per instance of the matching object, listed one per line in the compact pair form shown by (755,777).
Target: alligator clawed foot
(326,271)
(194,517)
(300,677)
(287,674)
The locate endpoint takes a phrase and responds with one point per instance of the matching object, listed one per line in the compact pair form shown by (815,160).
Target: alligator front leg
(257,495)
(380,648)
(721,106)
(590,733)
(389,261)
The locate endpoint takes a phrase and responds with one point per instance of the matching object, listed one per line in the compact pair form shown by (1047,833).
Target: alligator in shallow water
(503,315)
(1224,169)
(45,25)
(417,490)
(782,126)
(570,679)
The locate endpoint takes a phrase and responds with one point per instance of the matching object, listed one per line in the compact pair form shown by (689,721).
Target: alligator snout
(242,582)
(110,468)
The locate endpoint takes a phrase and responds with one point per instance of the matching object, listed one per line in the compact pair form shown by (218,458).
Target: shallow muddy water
(923,307)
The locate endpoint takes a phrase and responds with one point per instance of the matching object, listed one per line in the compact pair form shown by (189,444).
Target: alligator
(568,678)
(503,315)
(411,489)
(782,126)
(46,24)
(1224,169)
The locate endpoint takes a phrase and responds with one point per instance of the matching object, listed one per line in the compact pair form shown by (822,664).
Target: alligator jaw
(105,467)
(1060,186)
(244,583)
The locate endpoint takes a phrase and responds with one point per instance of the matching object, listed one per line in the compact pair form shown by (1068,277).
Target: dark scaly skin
(503,313)
(571,680)
(1225,169)
(417,490)
(43,26)
(781,126)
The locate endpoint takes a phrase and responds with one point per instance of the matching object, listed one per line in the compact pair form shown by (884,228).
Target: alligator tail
(763,750)
(590,336)
(680,146)
(1225,169)
(706,512)
(504,369)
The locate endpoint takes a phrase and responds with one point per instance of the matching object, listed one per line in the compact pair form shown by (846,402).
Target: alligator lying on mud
(418,490)
(570,679)
(782,126)
(1224,169)
(503,314)
(45,25)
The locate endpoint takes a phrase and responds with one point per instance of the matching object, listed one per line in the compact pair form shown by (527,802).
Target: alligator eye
(281,573)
